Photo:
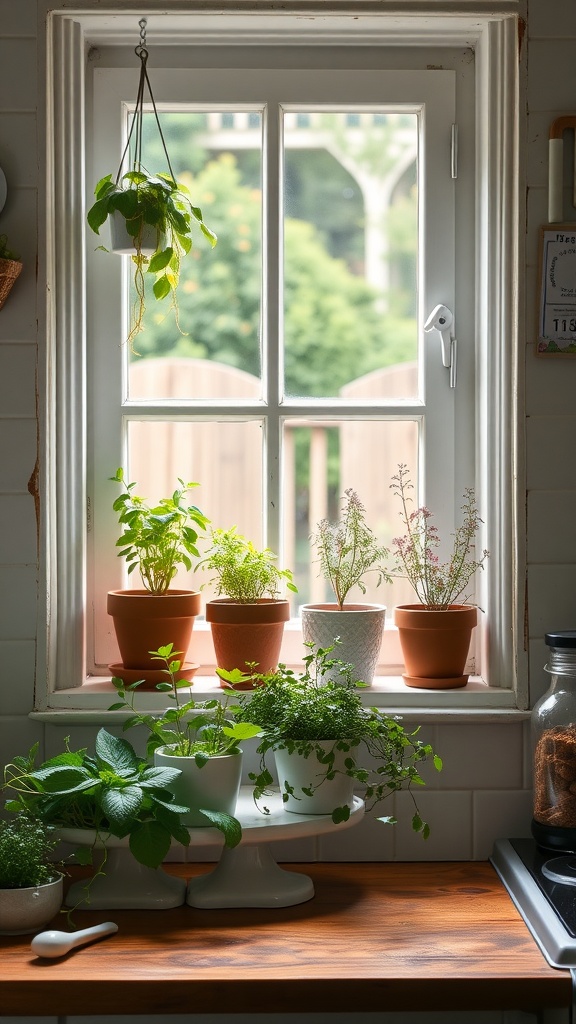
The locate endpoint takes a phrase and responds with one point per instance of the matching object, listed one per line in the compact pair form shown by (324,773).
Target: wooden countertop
(433,936)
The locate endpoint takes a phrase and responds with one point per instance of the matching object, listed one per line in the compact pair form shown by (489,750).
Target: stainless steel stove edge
(558,947)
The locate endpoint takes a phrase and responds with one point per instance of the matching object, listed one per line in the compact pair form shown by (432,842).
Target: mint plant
(188,729)
(156,539)
(114,792)
(348,550)
(436,584)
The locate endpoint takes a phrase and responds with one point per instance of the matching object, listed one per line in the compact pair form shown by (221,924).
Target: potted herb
(200,741)
(152,220)
(348,552)
(325,741)
(248,622)
(30,884)
(10,269)
(435,633)
(112,801)
(156,540)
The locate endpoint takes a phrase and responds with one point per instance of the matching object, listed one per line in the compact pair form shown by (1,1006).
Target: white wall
(484,791)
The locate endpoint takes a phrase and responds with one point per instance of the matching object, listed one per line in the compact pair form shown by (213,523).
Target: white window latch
(441,320)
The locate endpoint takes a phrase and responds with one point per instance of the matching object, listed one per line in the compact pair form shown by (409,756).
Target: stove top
(543,887)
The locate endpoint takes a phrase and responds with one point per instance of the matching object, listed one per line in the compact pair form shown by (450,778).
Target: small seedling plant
(156,539)
(436,584)
(26,850)
(348,550)
(295,711)
(241,571)
(200,730)
(115,792)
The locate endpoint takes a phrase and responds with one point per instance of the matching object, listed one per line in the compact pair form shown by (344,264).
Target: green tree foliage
(334,331)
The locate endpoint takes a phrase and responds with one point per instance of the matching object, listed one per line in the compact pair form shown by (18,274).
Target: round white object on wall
(3,189)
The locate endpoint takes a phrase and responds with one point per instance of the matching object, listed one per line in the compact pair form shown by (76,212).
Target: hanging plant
(151,215)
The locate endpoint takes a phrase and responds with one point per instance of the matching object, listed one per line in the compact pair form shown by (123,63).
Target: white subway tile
(551,598)
(552,19)
(500,815)
(18,545)
(17,668)
(19,153)
(369,840)
(17,380)
(548,388)
(18,586)
(449,815)
(550,448)
(480,756)
(551,518)
(18,90)
(18,734)
(18,19)
(18,448)
(550,85)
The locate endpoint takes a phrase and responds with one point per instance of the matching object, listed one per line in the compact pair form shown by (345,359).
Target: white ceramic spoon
(58,943)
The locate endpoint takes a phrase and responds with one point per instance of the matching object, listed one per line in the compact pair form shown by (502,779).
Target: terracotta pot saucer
(421,683)
(151,676)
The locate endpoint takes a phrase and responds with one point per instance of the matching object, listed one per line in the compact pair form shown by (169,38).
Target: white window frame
(494,39)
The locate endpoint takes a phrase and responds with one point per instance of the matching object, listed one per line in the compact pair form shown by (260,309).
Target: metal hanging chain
(137,117)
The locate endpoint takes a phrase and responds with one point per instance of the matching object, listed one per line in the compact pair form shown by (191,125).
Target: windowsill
(474,702)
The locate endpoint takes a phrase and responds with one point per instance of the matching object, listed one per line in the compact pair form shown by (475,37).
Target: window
(287,140)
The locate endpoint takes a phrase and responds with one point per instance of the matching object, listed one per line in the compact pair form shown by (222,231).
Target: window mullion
(272,319)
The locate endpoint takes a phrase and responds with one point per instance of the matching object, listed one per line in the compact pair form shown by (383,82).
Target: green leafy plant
(188,729)
(5,252)
(158,202)
(296,711)
(115,792)
(26,849)
(156,539)
(348,550)
(436,584)
(242,572)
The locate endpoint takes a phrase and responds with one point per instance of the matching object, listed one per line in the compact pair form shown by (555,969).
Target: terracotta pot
(435,644)
(144,622)
(359,627)
(247,633)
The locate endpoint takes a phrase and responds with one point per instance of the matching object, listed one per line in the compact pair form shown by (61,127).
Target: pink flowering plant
(436,584)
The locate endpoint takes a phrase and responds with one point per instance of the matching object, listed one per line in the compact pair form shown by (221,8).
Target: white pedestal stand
(246,876)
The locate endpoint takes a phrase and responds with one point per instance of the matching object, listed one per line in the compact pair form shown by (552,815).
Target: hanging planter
(151,215)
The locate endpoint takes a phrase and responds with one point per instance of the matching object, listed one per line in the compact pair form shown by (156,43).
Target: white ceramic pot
(215,786)
(303,772)
(360,628)
(23,911)
(122,242)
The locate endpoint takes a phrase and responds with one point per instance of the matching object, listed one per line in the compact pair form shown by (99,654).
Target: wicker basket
(9,271)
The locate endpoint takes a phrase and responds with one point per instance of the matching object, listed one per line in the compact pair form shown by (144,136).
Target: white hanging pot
(360,628)
(302,772)
(215,786)
(122,242)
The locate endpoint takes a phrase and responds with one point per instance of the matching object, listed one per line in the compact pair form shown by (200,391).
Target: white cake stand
(246,876)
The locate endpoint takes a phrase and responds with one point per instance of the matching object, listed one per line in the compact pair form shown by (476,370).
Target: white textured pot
(23,911)
(304,772)
(360,628)
(215,786)
(122,242)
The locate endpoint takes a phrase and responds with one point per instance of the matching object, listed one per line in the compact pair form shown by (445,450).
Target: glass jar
(554,749)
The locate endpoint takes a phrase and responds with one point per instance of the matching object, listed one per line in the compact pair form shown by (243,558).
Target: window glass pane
(225,459)
(218,156)
(350,254)
(322,460)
